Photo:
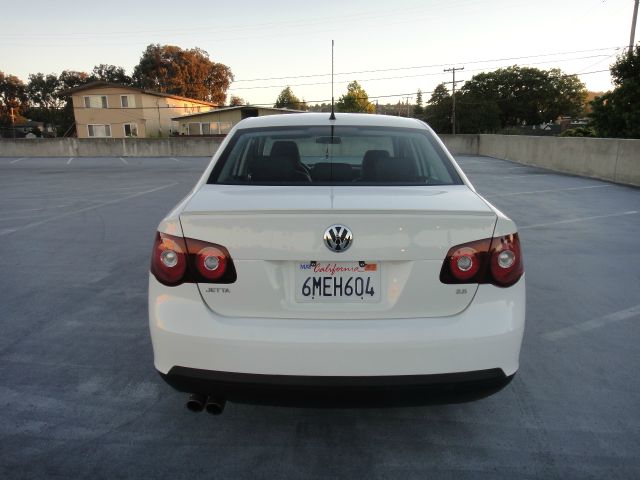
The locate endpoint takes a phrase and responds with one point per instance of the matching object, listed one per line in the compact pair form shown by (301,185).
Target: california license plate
(337,282)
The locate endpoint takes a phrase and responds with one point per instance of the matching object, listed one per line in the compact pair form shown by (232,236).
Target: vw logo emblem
(338,238)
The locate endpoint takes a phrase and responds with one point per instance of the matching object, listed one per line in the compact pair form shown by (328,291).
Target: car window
(334,156)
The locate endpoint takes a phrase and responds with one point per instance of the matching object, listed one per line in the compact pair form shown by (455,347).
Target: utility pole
(453,97)
(632,39)
(406,99)
(13,122)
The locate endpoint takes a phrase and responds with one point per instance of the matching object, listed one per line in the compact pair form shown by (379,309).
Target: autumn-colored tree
(188,73)
(591,96)
(355,100)
(13,99)
(236,101)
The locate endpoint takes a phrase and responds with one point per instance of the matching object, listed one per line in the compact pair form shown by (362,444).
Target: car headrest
(400,169)
(279,168)
(285,148)
(370,160)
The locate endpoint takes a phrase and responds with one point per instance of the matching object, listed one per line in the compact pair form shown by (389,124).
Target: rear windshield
(333,156)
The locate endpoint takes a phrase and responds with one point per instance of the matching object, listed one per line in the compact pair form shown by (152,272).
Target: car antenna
(333,115)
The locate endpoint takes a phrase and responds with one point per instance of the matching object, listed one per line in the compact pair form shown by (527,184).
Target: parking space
(80,397)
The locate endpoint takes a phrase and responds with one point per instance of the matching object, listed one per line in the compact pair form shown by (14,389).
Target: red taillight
(497,261)
(467,263)
(177,260)
(210,260)
(506,260)
(169,259)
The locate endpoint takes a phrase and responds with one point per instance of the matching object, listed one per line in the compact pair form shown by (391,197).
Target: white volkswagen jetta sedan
(332,258)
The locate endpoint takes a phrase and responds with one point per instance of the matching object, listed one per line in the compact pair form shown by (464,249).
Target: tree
(46,99)
(437,113)
(287,99)
(418,110)
(355,100)
(527,95)
(476,115)
(13,99)
(69,79)
(617,112)
(189,73)
(236,101)
(44,91)
(320,107)
(111,74)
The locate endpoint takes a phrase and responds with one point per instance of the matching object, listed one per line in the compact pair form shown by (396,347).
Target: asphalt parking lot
(79,397)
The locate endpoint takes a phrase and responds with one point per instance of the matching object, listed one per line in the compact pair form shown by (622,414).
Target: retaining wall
(613,159)
(110,147)
(461,144)
(616,160)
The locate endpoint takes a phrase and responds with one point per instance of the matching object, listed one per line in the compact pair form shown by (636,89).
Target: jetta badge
(338,238)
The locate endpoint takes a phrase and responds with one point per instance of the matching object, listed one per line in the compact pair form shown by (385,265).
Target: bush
(579,132)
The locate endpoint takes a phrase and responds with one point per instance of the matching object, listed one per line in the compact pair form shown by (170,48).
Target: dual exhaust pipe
(213,405)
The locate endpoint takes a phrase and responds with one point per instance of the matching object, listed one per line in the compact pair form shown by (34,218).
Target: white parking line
(124,161)
(34,209)
(17,160)
(582,219)
(592,324)
(69,161)
(175,159)
(530,175)
(73,195)
(8,231)
(4,219)
(548,191)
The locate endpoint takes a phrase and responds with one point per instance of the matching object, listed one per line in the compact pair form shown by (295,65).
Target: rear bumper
(485,336)
(338,391)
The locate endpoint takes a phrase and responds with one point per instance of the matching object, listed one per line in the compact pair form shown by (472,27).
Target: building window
(127,101)
(194,129)
(99,131)
(96,101)
(207,128)
(224,127)
(130,130)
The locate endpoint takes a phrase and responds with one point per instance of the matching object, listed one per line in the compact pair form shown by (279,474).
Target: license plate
(327,282)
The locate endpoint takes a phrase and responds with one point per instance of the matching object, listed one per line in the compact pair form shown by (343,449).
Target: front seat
(289,149)
(370,161)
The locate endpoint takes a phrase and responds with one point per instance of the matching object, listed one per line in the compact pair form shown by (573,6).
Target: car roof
(321,119)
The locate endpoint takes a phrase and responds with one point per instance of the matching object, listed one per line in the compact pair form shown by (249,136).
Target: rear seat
(334,172)
(379,166)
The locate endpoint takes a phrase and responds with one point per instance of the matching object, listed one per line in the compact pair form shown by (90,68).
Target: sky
(392,48)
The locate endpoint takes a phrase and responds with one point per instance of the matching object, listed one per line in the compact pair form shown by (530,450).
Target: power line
(427,74)
(326,100)
(439,65)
